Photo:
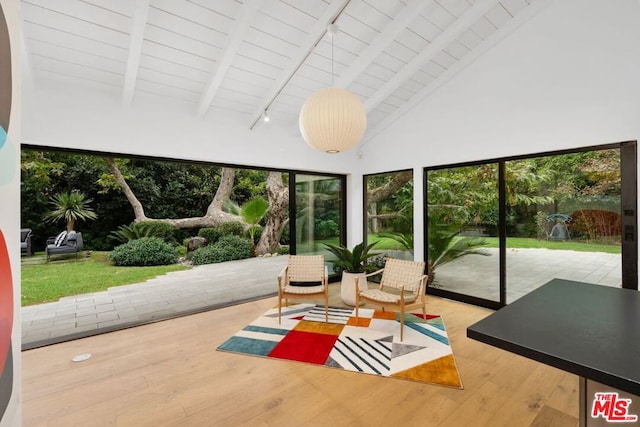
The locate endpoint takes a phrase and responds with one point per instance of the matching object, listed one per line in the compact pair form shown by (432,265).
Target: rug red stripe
(305,347)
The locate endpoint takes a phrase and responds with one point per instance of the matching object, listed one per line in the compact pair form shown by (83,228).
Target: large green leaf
(352,261)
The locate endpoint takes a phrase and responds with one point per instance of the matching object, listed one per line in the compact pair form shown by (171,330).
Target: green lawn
(45,282)
(570,245)
(386,244)
(520,242)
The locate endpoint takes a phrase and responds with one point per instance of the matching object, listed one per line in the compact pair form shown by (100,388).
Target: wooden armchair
(304,277)
(402,287)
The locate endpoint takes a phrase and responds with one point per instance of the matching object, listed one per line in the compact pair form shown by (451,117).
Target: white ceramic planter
(348,287)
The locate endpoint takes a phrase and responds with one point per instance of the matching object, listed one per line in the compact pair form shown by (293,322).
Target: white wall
(569,77)
(61,117)
(10,213)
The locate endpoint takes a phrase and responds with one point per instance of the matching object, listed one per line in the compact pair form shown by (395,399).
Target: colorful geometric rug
(373,347)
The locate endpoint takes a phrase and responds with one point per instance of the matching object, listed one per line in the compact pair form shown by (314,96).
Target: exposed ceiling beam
(237,33)
(408,13)
(140,14)
(479,50)
(459,26)
(316,33)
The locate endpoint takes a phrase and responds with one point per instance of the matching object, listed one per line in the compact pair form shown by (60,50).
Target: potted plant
(353,263)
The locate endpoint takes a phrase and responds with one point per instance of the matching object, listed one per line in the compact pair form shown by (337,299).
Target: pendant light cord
(332,30)
(332,73)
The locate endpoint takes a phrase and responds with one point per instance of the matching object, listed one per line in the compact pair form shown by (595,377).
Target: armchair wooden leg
(326,307)
(357,305)
(401,319)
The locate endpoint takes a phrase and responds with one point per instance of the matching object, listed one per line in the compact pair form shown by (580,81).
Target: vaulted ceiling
(247,57)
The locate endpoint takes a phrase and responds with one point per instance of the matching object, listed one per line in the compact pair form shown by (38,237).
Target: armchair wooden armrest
(282,276)
(374,273)
(357,279)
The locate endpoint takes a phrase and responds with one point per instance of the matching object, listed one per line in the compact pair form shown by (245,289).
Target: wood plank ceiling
(243,58)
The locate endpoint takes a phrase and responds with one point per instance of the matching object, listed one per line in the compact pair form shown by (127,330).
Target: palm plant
(405,239)
(251,213)
(138,230)
(445,246)
(71,207)
(352,261)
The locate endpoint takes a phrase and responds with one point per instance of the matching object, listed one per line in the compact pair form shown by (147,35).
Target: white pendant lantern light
(332,120)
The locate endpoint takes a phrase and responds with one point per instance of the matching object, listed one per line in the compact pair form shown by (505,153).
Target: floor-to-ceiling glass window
(389,214)
(563,220)
(499,229)
(462,230)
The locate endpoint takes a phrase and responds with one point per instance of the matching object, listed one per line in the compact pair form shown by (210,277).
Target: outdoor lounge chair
(304,277)
(402,288)
(25,241)
(69,243)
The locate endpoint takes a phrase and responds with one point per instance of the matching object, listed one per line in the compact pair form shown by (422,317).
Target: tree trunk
(373,217)
(385,191)
(214,215)
(223,193)
(138,209)
(278,196)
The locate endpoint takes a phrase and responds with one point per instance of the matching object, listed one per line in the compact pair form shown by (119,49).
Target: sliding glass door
(318,212)
(563,220)
(462,230)
(498,230)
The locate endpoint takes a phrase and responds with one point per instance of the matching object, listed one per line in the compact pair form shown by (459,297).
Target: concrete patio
(174,294)
(527,269)
(217,285)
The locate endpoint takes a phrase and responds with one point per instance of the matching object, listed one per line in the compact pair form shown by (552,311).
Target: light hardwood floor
(170,374)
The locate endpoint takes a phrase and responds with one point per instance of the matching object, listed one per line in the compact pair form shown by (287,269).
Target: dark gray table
(589,330)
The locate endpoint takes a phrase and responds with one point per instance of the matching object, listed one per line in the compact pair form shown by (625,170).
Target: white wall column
(11,409)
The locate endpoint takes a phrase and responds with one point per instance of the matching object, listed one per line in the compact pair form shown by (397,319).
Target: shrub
(144,251)
(595,223)
(233,228)
(137,230)
(164,230)
(227,248)
(326,228)
(212,234)
(181,250)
